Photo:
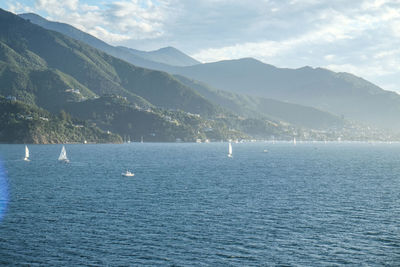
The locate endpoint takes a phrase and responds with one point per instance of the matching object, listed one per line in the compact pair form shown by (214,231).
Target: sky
(357,36)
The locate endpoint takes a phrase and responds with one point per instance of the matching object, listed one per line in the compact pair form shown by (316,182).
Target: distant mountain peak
(335,92)
(168,48)
(252,59)
(34,18)
(240,63)
(306,68)
(166,55)
(29,14)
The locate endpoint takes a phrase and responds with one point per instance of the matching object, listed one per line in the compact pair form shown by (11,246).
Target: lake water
(189,204)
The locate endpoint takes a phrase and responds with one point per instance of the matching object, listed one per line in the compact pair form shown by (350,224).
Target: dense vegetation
(22,123)
(33,60)
(118,115)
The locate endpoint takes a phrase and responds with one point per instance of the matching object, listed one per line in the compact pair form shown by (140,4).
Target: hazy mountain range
(167,55)
(252,106)
(170,56)
(159,59)
(338,93)
(48,69)
(342,94)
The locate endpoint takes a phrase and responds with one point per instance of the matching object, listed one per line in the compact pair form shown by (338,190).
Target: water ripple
(189,204)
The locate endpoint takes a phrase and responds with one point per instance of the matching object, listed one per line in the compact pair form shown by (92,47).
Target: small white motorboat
(128,174)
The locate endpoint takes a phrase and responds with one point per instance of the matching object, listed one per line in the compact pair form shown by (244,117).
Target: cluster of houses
(74,91)
(29,118)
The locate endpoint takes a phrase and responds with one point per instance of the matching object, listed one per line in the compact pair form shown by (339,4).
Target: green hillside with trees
(23,123)
(33,59)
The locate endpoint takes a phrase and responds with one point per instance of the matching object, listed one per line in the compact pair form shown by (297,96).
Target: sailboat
(230,150)
(294,140)
(63,156)
(26,154)
(141,139)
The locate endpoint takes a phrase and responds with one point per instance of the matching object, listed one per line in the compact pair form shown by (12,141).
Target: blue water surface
(189,204)
(3,191)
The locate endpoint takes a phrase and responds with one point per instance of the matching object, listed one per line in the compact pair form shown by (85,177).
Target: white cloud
(360,36)
(262,50)
(87,8)
(17,7)
(140,19)
(336,30)
(374,4)
(103,34)
(329,57)
(113,22)
(55,7)
(357,70)
(385,54)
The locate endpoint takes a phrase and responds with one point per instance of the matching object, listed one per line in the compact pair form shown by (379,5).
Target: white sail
(63,155)
(294,140)
(26,153)
(230,150)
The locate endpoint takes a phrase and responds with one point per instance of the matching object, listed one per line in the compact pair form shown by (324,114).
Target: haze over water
(306,205)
